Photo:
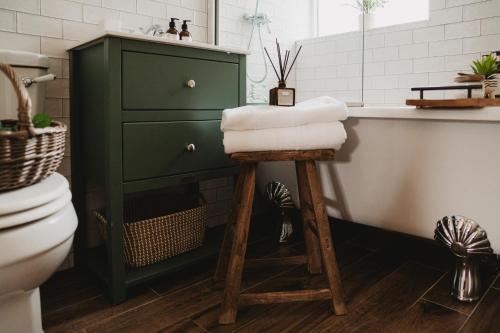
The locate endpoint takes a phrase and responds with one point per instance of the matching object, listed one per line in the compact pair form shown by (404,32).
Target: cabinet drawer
(152,81)
(160,149)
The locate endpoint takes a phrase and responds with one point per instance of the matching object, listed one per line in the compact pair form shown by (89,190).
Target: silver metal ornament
(280,198)
(279,195)
(468,242)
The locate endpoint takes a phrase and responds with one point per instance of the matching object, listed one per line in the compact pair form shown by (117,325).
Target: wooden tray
(454,103)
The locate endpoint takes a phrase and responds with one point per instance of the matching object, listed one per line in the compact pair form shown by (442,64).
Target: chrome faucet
(157,30)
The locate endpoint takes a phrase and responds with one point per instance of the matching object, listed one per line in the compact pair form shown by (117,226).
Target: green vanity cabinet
(157,149)
(145,115)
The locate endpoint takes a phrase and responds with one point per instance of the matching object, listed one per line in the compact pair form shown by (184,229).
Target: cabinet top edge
(126,35)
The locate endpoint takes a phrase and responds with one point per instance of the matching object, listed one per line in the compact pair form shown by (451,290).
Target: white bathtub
(403,169)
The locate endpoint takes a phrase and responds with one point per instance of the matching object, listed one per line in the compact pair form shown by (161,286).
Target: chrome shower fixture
(259,19)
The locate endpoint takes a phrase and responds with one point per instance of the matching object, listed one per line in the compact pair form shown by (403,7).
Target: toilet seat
(34,202)
(22,242)
(29,215)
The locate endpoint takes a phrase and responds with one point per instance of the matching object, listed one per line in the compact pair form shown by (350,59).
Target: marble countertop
(196,45)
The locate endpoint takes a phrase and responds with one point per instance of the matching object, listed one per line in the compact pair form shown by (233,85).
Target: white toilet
(37,224)
(28,65)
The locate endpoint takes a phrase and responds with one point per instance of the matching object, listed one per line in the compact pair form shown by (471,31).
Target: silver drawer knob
(191,147)
(191,84)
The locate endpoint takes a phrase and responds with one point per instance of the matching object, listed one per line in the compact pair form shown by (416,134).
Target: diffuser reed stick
(293,62)
(284,70)
(279,57)
(272,63)
(287,53)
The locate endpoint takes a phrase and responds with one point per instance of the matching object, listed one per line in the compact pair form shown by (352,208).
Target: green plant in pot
(488,68)
(366,9)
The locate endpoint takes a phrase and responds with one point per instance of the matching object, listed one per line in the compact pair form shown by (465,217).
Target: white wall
(400,57)
(291,20)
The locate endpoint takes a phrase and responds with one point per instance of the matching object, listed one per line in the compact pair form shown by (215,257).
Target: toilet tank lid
(23,59)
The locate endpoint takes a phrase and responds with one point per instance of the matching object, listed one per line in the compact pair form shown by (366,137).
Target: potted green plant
(488,68)
(367,9)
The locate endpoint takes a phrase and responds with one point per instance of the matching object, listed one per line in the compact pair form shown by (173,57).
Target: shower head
(258,19)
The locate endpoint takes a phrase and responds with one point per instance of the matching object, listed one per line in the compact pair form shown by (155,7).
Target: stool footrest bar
(285,296)
(283,261)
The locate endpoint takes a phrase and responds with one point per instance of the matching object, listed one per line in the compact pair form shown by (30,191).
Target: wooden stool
(320,251)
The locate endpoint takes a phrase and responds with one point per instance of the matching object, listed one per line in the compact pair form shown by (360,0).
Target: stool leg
(327,251)
(236,262)
(306,208)
(221,270)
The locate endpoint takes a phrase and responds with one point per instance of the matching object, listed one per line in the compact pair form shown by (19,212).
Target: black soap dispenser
(185,34)
(172,32)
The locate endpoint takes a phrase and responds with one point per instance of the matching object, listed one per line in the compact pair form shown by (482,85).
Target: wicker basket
(148,240)
(29,154)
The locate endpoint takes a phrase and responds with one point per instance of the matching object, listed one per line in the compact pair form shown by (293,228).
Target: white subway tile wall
(403,56)
(289,22)
(336,64)
(51,26)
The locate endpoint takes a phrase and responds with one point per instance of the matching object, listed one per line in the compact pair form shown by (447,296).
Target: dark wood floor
(392,283)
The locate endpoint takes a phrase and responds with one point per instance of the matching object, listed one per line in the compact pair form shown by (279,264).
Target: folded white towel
(316,110)
(313,136)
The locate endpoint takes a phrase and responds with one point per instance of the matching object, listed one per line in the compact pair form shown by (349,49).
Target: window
(400,12)
(336,17)
(339,16)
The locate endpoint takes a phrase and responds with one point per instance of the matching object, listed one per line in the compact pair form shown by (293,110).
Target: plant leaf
(485,66)
(42,120)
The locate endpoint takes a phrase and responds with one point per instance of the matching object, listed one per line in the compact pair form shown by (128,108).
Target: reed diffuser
(282,95)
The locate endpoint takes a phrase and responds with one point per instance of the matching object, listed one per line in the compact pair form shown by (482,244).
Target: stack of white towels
(312,124)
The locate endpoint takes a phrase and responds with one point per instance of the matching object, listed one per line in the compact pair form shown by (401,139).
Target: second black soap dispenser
(185,34)
(172,32)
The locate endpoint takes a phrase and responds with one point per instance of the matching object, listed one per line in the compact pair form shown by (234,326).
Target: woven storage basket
(29,154)
(151,240)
